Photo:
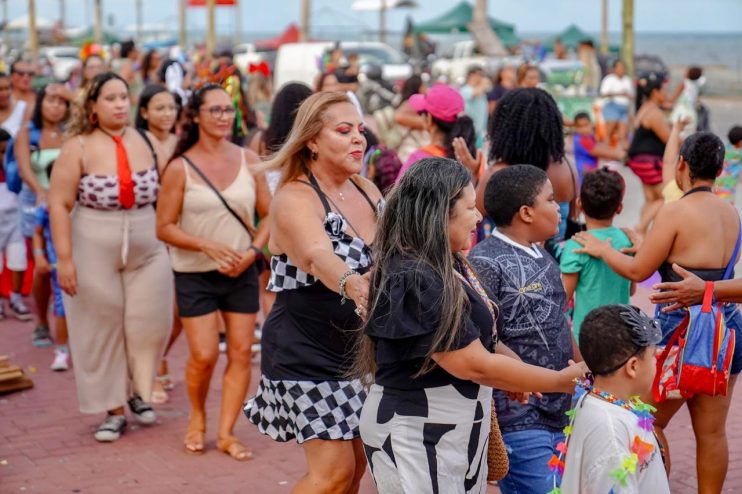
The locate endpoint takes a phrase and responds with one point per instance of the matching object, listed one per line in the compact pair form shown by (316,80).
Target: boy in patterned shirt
(526,283)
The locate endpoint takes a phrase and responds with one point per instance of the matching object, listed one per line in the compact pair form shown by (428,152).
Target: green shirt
(598,284)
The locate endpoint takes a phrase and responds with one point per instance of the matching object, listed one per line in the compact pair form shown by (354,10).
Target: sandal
(159,395)
(166,382)
(193,443)
(234,448)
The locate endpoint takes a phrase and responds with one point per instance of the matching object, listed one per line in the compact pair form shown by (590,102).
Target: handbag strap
(733,260)
(250,231)
(663,357)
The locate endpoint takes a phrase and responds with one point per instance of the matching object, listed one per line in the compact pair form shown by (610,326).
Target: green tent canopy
(458,19)
(572,36)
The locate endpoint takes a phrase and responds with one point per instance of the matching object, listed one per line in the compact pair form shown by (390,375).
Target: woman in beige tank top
(213,256)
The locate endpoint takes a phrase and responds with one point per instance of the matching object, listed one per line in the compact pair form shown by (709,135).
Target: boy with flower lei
(610,445)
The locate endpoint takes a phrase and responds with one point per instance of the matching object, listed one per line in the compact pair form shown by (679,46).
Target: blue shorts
(615,112)
(58,307)
(669,322)
(529,452)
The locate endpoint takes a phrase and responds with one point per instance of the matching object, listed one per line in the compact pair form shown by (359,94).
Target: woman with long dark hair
(150,65)
(36,148)
(210,198)
(113,270)
(698,231)
(429,340)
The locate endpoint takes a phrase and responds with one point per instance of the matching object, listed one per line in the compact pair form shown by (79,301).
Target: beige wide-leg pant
(121,316)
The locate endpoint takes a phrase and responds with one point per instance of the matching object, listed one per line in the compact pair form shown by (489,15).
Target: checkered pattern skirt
(304,410)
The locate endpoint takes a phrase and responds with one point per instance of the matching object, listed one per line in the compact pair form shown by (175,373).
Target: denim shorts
(529,452)
(615,112)
(27,207)
(669,322)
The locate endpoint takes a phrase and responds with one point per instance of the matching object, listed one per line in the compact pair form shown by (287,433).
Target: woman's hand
(67,276)
(570,373)
(41,264)
(635,238)
(683,293)
(522,397)
(356,289)
(463,156)
(247,260)
(591,245)
(40,197)
(226,257)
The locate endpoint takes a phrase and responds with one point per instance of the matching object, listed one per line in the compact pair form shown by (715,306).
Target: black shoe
(111,429)
(142,410)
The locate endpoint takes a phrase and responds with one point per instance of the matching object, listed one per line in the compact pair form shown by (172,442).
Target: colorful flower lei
(640,450)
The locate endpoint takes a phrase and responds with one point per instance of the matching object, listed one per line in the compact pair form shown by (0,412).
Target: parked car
(62,59)
(302,62)
(459,57)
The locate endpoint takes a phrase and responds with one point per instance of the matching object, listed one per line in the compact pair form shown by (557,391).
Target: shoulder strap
(248,229)
(365,196)
(34,135)
(151,147)
(322,197)
(733,260)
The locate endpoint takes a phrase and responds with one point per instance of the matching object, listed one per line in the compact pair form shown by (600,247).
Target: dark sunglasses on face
(219,111)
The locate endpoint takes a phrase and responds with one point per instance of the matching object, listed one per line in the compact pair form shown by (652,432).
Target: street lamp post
(182,36)
(304,28)
(33,36)
(138,6)
(210,26)
(627,48)
(604,29)
(98,23)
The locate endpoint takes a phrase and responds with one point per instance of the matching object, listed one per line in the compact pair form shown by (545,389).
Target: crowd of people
(425,298)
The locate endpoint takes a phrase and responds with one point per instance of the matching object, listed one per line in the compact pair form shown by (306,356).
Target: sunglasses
(219,111)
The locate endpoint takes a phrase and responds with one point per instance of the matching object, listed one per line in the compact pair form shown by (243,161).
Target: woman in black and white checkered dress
(324,219)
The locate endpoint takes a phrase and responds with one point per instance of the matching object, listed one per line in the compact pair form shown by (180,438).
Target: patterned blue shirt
(527,285)
(42,220)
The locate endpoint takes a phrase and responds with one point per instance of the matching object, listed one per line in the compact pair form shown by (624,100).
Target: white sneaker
(61,359)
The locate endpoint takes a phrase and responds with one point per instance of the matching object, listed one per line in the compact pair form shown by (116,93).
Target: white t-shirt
(601,440)
(613,84)
(12,124)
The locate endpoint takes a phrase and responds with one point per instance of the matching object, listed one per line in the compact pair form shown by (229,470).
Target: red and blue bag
(700,362)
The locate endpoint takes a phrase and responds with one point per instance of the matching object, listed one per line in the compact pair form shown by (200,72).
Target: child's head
(583,124)
(701,157)
(601,195)
(694,73)
(618,342)
(522,195)
(735,136)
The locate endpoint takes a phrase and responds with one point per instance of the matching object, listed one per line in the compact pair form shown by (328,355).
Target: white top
(613,84)
(12,124)
(601,439)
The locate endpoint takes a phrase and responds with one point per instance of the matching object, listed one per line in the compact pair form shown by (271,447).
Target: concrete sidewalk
(47,446)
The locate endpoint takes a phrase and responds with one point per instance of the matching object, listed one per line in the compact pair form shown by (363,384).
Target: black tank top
(309,334)
(645,141)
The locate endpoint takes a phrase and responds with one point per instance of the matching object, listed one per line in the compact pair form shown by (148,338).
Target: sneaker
(18,306)
(61,359)
(222,343)
(111,429)
(142,410)
(41,337)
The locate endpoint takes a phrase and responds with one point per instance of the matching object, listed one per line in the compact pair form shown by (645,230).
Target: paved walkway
(46,446)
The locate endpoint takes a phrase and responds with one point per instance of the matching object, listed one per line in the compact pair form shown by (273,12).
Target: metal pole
(604,29)
(98,22)
(33,36)
(210,26)
(304,28)
(138,6)
(237,22)
(182,36)
(382,21)
(6,34)
(62,12)
(627,48)
(480,12)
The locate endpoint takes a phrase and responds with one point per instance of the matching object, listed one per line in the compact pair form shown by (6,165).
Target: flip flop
(193,444)
(234,448)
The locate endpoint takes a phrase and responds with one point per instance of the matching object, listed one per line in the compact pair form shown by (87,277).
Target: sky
(527,15)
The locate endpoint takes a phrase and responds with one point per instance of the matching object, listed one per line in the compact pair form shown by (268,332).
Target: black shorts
(199,294)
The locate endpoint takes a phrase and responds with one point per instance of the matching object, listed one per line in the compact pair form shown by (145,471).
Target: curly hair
(80,122)
(526,128)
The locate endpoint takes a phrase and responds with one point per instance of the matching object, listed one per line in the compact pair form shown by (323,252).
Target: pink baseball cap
(441,101)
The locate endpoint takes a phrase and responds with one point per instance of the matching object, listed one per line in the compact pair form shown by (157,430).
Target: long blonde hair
(293,157)
(81,122)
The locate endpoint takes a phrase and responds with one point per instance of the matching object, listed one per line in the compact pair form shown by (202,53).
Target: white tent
(22,23)
(376,5)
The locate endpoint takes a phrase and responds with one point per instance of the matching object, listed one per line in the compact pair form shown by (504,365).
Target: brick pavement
(46,446)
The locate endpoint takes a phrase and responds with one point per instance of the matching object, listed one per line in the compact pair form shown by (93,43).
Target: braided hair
(526,127)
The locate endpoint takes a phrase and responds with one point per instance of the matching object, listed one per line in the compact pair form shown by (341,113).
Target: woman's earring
(315,155)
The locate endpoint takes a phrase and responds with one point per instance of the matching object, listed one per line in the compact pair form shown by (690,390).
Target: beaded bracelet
(343,281)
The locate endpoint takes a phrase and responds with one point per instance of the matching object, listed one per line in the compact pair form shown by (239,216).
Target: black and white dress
(424,433)
(307,347)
